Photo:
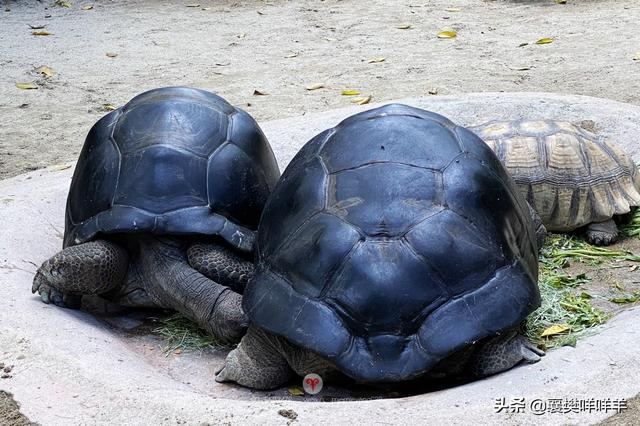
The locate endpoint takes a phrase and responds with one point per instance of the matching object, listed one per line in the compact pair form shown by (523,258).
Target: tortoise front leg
(95,267)
(221,264)
(256,363)
(264,360)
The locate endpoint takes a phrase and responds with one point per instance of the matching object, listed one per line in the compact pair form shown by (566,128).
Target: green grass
(563,304)
(180,333)
(632,228)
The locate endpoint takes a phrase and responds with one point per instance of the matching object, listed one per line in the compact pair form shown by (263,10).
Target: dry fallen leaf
(260,12)
(45,70)
(545,40)
(453,9)
(633,268)
(376,60)
(62,3)
(447,34)
(554,329)
(291,55)
(561,1)
(26,86)
(315,86)
(60,167)
(109,107)
(636,57)
(87,7)
(295,391)
(433,91)
(111,54)
(519,67)
(257,92)
(362,101)
(350,92)
(36,27)
(242,35)
(177,351)
(41,33)
(404,26)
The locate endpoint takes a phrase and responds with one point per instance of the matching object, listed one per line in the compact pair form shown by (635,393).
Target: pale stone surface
(72,368)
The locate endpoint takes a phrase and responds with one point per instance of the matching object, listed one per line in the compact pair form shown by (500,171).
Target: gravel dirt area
(10,414)
(106,52)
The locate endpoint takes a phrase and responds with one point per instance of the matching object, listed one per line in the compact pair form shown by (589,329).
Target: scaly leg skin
(256,363)
(132,293)
(172,283)
(94,267)
(221,264)
(502,353)
(264,360)
(602,233)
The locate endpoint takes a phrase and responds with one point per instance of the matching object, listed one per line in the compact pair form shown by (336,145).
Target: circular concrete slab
(73,368)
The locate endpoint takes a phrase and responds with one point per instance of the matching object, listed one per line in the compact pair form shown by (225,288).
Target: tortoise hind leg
(264,360)
(502,353)
(602,233)
(95,267)
(221,264)
(256,363)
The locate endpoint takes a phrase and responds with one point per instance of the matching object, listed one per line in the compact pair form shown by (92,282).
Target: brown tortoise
(572,177)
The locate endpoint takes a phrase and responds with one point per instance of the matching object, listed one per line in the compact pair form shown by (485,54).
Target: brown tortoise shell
(570,176)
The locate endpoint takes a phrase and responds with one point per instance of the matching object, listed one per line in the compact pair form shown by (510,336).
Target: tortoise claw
(50,294)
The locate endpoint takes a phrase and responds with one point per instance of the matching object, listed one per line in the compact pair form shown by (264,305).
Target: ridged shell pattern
(571,176)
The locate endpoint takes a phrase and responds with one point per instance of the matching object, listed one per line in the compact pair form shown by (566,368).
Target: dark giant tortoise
(572,177)
(393,244)
(162,209)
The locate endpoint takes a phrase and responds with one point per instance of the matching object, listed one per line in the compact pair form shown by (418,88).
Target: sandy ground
(281,47)
(626,418)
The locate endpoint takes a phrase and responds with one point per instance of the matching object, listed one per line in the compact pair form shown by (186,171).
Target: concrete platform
(74,368)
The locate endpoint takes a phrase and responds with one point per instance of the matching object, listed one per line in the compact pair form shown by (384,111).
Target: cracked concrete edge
(77,371)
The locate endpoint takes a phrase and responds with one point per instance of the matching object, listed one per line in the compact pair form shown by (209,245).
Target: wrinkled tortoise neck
(175,284)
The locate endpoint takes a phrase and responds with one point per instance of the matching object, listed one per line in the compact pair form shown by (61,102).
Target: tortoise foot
(50,294)
(602,233)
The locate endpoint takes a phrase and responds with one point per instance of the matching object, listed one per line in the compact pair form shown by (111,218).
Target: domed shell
(172,161)
(391,241)
(569,175)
